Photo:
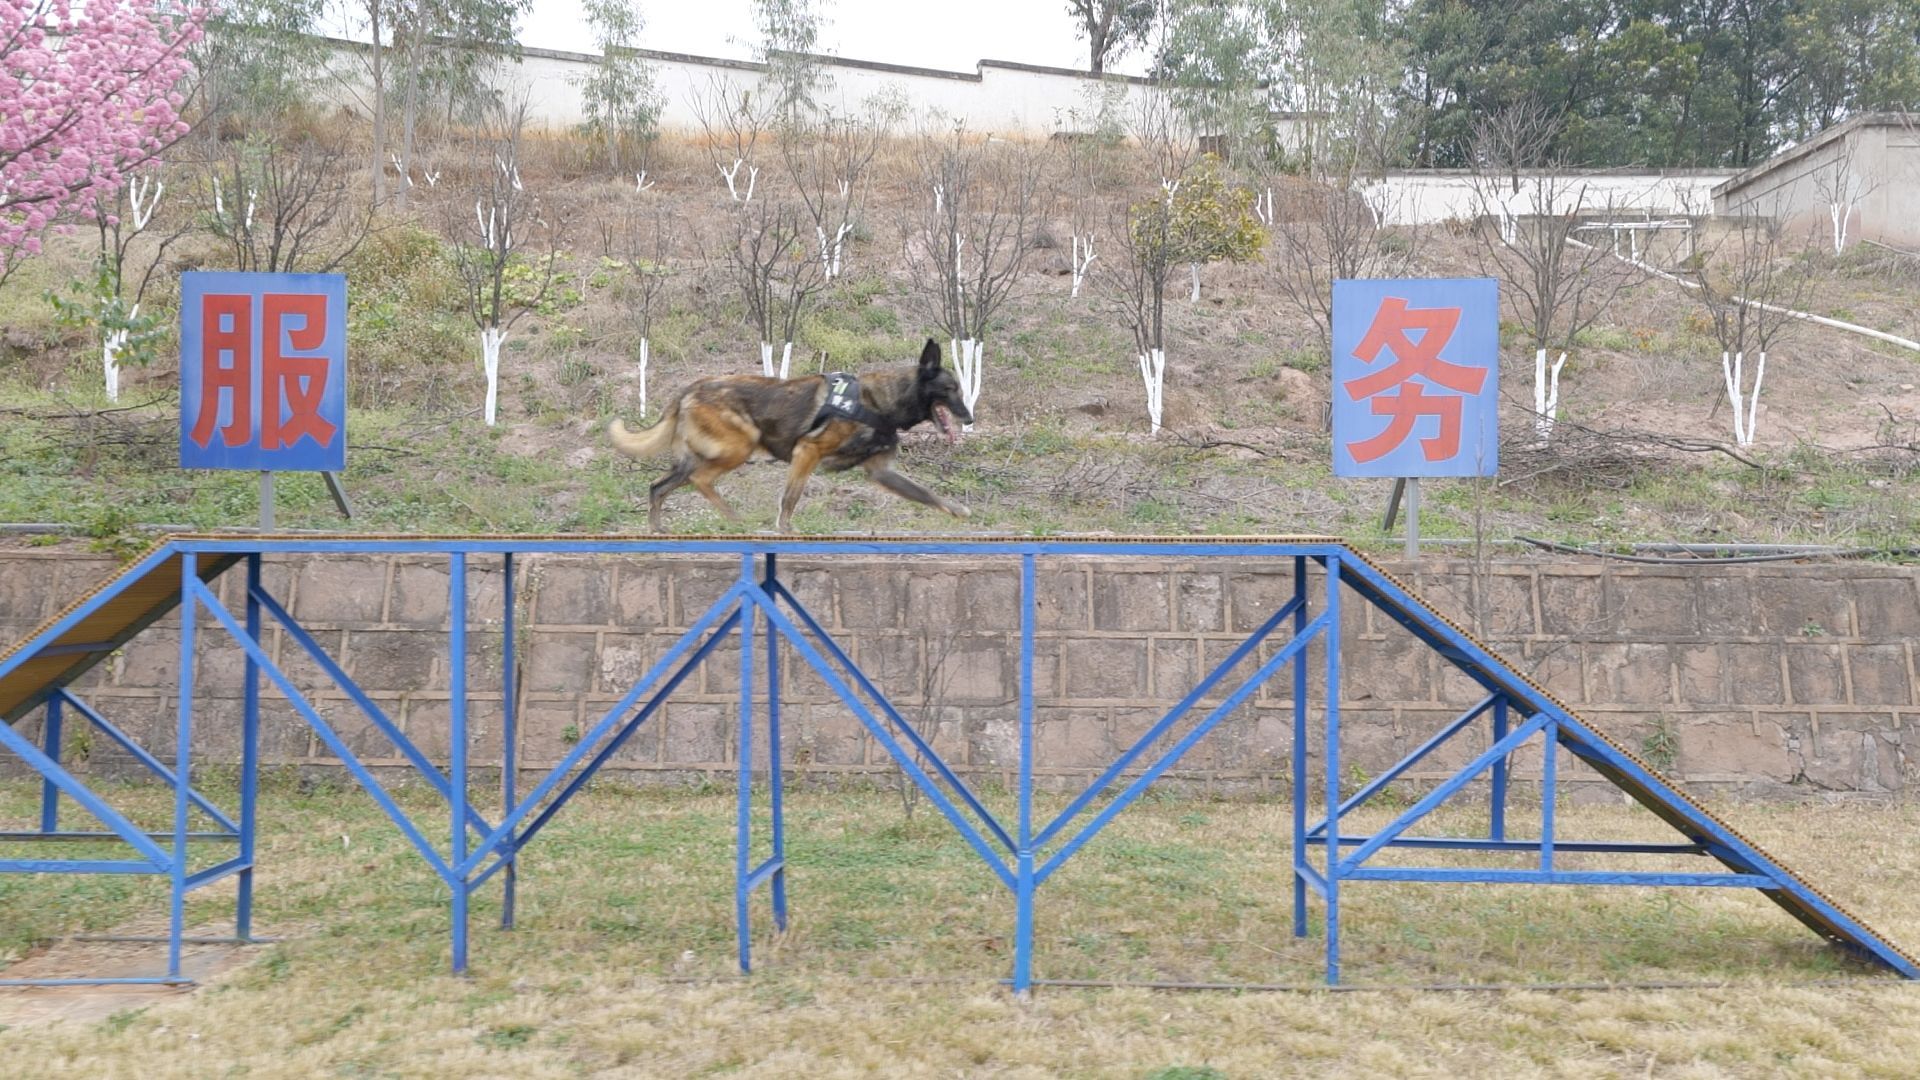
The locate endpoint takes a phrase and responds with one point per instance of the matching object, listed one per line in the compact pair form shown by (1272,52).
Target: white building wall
(1429,198)
(996,98)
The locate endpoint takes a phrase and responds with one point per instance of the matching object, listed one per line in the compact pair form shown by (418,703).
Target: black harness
(843,402)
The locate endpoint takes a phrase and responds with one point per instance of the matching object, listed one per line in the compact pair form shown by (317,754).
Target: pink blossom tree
(92,91)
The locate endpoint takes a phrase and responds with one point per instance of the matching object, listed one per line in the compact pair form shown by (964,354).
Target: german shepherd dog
(717,425)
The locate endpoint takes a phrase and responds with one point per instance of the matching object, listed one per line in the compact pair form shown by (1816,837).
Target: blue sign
(263,371)
(1416,377)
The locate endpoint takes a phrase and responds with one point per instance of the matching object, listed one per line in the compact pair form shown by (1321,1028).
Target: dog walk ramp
(64,647)
(1667,800)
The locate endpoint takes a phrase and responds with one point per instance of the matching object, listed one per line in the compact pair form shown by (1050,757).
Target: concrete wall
(1872,161)
(1764,680)
(1441,195)
(996,98)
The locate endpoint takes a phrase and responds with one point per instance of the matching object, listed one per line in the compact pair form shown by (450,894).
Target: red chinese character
(1389,331)
(233,379)
(1409,405)
(298,381)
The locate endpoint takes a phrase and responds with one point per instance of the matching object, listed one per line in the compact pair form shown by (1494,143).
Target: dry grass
(622,961)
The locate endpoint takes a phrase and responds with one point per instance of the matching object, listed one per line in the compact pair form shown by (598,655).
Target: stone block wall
(1773,679)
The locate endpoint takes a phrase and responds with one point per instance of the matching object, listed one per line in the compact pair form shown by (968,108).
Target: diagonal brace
(1445,791)
(1166,722)
(361,773)
(920,743)
(1179,750)
(1454,727)
(374,713)
(68,784)
(725,605)
(885,738)
(140,754)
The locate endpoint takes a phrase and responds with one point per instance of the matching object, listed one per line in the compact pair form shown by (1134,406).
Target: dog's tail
(648,442)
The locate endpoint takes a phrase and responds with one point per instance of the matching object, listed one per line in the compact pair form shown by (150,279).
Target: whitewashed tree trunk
(786,359)
(640,181)
(731,175)
(969,362)
(1153,372)
(490,341)
(1083,257)
(1842,215)
(113,342)
(766,359)
(830,249)
(1196,282)
(1745,401)
(1546,394)
(643,376)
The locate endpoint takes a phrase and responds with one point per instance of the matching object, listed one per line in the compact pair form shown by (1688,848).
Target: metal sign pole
(1413,518)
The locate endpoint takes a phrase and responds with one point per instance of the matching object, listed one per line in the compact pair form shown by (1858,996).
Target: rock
(1092,407)
(1297,385)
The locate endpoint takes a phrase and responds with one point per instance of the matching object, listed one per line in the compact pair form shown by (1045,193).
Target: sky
(922,33)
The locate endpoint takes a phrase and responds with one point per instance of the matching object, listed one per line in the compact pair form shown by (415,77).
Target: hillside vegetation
(1644,451)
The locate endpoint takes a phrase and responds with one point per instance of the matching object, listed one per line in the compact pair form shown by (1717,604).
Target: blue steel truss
(764,617)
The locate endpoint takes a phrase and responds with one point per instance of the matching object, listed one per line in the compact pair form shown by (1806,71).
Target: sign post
(1416,383)
(263,375)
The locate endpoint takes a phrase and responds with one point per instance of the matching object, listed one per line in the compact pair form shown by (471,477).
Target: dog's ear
(930,358)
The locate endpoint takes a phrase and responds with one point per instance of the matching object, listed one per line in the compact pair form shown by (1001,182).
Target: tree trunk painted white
(1153,372)
(640,181)
(1842,215)
(1546,394)
(490,341)
(1196,282)
(839,239)
(1745,401)
(643,377)
(753,175)
(110,347)
(786,358)
(969,361)
(830,249)
(1083,257)
(766,359)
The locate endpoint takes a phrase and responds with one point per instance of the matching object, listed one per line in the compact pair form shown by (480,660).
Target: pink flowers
(90,94)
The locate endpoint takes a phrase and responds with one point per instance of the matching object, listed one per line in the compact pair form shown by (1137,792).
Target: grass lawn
(622,963)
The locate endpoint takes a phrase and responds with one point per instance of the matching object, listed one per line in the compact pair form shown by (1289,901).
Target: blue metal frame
(765,614)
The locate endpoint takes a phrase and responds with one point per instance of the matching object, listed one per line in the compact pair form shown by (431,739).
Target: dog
(832,422)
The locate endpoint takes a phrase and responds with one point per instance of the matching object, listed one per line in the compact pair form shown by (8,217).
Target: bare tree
(1843,186)
(506,217)
(827,164)
(647,247)
(1556,286)
(1751,285)
(1341,230)
(967,235)
(285,204)
(731,119)
(769,260)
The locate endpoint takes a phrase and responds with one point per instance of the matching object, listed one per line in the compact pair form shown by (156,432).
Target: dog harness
(843,401)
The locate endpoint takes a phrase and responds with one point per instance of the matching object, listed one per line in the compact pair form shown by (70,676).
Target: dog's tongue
(946,423)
